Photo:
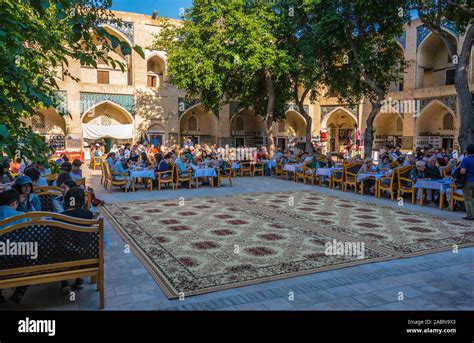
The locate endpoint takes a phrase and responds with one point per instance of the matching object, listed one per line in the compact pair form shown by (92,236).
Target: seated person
(29,201)
(66,184)
(43,170)
(223,165)
(277,155)
(432,169)
(5,175)
(66,167)
(213,160)
(74,206)
(420,173)
(384,164)
(165,165)
(76,172)
(368,167)
(111,160)
(152,150)
(35,175)
(15,166)
(182,166)
(329,162)
(122,166)
(9,201)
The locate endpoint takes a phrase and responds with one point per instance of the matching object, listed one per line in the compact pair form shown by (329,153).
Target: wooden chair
(308,174)
(337,177)
(68,248)
(180,179)
(454,196)
(393,164)
(350,177)
(110,179)
(258,167)
(391,186)
(88,195)
(245,167)
(103,173)
(227,175)
(299,173)
(447,171)
(51,178)
(279,170)
(82,182)
(165,177)
(405,183)
(47,195)
(96,162)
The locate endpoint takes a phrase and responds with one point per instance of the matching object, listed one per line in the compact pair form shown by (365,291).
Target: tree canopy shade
(36,37)
(434,14)
(268,53)
(228,50)
(361,57)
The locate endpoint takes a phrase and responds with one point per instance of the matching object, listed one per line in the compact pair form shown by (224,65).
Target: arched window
(155,71)
(399,125)
(448,122)
(192,124)
(38,121)
(281,126)
(239,123)
(105,120)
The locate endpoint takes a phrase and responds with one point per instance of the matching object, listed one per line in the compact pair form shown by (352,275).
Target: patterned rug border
(169,290)
(383,249)
(294,191)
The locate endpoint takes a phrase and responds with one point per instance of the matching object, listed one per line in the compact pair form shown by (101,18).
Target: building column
(409,131)
(224,136)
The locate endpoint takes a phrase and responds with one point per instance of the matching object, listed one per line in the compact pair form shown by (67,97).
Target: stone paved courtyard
(441,281)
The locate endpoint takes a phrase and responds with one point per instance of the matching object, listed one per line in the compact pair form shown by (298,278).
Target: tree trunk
(466,129)
(369,131)
(270,110)
(309,134)
(309,124)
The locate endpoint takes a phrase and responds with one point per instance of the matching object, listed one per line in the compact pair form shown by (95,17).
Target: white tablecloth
(376,176)
(203,172)
(326,171)
(271,163)
(149,174)
(439,185)
(291,167)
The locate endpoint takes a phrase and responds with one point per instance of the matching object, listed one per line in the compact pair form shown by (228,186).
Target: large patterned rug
(213,243)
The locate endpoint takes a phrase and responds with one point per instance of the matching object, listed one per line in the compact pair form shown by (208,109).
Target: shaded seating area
(61,248)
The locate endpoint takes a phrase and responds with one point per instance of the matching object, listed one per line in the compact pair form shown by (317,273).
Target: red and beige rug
(208,244)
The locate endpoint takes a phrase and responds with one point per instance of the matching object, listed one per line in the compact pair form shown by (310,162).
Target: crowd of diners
(19,178)
(18,181)
(427,162)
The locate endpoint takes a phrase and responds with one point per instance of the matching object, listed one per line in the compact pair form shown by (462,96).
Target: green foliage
(223,50)
(36,38)
(358,39)
(437,12)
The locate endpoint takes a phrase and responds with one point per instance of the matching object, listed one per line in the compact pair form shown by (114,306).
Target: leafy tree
(434,14)
(296,34)
(358,43)
(228,50)
(36,38)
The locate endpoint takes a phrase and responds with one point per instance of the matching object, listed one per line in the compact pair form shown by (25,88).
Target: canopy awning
(124,131)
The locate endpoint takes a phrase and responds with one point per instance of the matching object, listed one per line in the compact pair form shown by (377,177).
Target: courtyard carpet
(206,244)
